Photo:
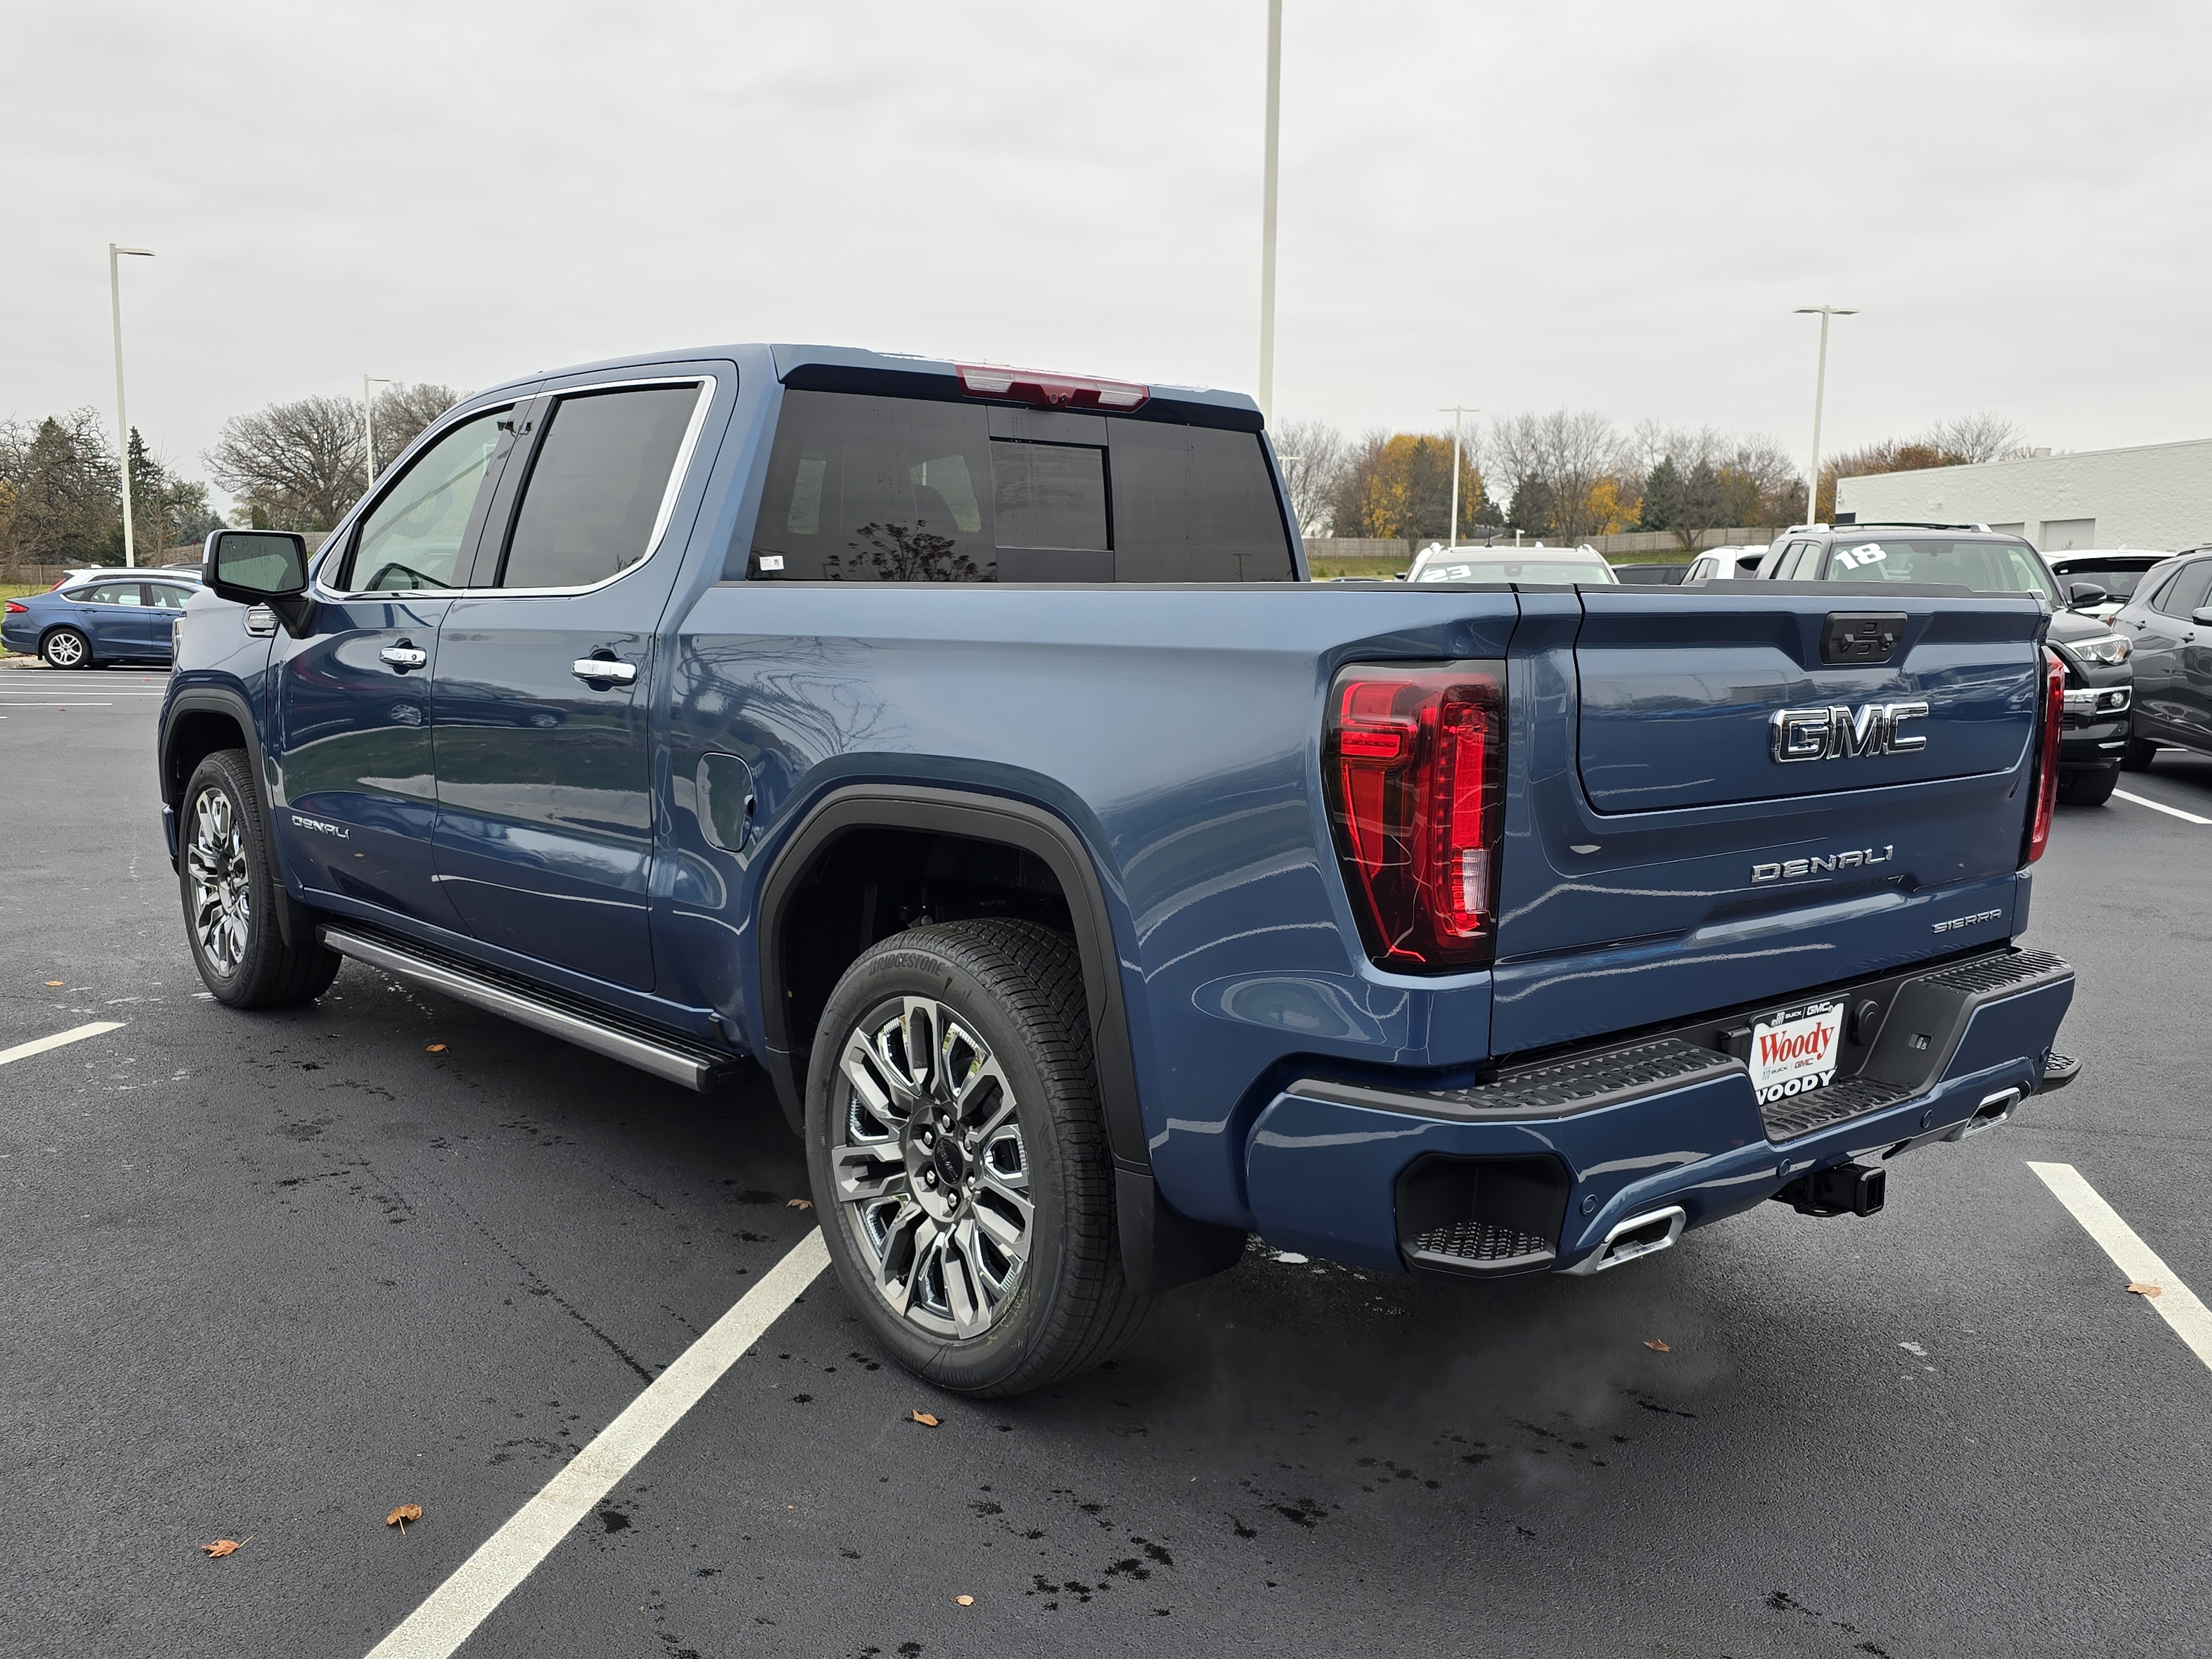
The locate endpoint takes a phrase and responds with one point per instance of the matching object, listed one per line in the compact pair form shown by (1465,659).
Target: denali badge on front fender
(1836,733)
(1825,865)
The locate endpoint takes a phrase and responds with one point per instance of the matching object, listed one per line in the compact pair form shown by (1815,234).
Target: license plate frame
(1794,1050)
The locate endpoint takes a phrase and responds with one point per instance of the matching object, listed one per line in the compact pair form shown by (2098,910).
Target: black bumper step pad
(1480,1241)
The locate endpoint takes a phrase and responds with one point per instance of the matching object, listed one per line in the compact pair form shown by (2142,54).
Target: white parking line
(480,1584)
(60,1039)
(2159,806)
(2176,1302)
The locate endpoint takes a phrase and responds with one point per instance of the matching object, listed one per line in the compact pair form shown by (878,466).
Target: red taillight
(14,609)
(2044,779)
(1413,763)
(1052,391)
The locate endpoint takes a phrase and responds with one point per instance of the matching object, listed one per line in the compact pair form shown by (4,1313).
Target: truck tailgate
(1670,851)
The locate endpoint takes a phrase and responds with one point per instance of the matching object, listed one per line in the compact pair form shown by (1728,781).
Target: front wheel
(2136,756)
(231,889)
(66,648)
(958,1157)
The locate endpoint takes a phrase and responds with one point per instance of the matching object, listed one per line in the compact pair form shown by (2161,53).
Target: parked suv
(2100,681)
(2168,625)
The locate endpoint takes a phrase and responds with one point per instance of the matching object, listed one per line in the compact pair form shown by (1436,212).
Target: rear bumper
(1535,1171)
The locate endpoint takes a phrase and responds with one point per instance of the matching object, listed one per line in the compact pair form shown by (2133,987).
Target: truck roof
(863,363)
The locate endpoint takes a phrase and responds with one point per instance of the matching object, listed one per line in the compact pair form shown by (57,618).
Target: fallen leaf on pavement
(54,984)
(1657,1347)
(798,1204)
(222,1546)
(435,1049)
(2145,1290)
(924,1419)
(400,1516)
(965,1600)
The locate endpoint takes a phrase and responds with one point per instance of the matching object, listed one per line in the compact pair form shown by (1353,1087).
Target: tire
(927,1231)
(64,647)
(227,878)
(2089,788)
(2135,757)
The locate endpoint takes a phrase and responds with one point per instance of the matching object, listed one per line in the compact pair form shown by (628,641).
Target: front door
(543,695)
(355,795)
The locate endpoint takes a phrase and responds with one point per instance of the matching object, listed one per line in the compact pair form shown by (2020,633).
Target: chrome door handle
(599,668)
(403,657)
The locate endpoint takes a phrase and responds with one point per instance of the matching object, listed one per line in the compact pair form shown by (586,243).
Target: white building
(2156,496)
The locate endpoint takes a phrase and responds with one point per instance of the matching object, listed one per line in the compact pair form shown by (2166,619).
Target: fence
(1662,542)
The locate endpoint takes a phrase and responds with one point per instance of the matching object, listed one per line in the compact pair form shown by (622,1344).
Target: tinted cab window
(864,487)
(598,478)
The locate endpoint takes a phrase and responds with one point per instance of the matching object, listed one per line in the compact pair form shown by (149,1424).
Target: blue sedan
(83,624)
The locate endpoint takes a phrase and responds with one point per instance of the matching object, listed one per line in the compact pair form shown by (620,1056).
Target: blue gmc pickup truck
(967,749)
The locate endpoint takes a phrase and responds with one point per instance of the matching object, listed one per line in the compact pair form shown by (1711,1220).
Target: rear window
(863,488)
(1986,567)
(1540,571)
(2118,580)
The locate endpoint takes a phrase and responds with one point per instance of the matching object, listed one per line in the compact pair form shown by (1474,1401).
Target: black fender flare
(1159,1247)
(294,924)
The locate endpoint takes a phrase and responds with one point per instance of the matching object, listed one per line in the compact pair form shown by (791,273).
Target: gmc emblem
(1812,734)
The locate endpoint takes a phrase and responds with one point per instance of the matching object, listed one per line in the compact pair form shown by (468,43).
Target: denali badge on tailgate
(1796,1050)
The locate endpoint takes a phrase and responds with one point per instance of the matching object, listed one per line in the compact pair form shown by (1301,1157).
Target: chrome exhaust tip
(1639,1236)
(1994,1110)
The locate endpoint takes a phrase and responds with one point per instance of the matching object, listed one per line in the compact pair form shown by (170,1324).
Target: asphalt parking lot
(269,1276)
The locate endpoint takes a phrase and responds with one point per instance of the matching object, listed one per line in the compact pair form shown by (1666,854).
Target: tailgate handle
(1851,637)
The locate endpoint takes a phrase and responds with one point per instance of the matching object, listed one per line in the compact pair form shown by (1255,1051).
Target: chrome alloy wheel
(931,1174)
(223,903)
(65,650)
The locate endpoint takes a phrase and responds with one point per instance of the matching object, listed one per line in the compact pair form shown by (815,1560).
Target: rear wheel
(2088,788)
(959,1161)
(231,891)
(66,648)
(2135,757)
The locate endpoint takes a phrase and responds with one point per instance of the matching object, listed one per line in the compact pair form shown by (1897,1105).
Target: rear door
(542,705)
(112,615)
(1718,806)
(2161,635)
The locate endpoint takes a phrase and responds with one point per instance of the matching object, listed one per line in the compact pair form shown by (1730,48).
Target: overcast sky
(1606,206)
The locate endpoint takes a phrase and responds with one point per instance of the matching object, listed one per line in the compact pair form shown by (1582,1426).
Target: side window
(416,535)
(1194,504)
(115,593)
(864,489)
(2185,593)
(167,595)
(1794,565)
(600,472)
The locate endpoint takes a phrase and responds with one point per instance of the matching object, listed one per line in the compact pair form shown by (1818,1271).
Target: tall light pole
(1268,212)
(369,421)
(122,419)
(1456,411)
(1819,391)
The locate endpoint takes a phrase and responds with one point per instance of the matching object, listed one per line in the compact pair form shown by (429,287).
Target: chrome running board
(665,1056)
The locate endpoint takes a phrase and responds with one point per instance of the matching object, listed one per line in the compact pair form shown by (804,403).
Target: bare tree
(297,465)
(1564,468)
(1975,438)
(402,412)
(1313,454)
